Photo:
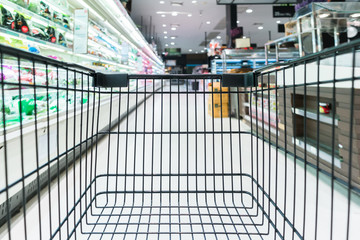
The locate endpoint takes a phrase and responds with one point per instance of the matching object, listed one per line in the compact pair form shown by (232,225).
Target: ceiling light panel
(176,4)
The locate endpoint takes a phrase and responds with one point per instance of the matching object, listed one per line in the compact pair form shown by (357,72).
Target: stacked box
(218,103)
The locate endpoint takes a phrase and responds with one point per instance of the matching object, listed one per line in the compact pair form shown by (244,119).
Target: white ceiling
(191,30)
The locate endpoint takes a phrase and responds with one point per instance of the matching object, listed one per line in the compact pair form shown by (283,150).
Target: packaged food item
(324,108)
(66,21)
(57,17)
(20,24)
(39,32)
(45,10)
(34,7)
(7,19)
(19,2)
(62,40)
(51,34)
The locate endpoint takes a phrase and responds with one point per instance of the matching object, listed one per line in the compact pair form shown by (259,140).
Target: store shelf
(312,114)
(324,150)
(35,41)
(38,18)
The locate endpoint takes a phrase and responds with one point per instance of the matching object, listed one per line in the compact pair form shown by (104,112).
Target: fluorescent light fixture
(173,37)
(244,36)
(260,27)
(278,21)
(166,45)
(249,10)
(208,22)
(174,14)
(190,50)
(162,2)
(194,1)
(324,15)
(92,11)
(165,32)
(202,51)
(173,28)
(189,15)
(165,37)
(163,15)
(218,37)
(354,15)
(172,43)
(164,25)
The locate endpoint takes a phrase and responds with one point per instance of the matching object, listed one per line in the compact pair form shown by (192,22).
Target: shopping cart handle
(239,80)
(111,80)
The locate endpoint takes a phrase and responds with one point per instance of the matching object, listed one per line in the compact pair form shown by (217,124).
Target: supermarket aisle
(191,163)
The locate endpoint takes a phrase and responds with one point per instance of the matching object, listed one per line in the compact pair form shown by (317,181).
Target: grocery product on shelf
(38,32)
(7,18)
(20,24)
(51,33)
(45,10)
(19,2)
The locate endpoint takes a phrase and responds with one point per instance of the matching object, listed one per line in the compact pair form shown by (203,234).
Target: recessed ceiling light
(173,28)
(166,45)
(172,43)
(218,37)
(249,10)
(162,2)
(260,27)
(176,3)
(165,37)
(194,1)
(278,21)
(174,14)
(238,21)
(163,15)
(244,37)
(189,15)
(196,52)
(208,22)
(165,32)
(164,25)
(324,15)
(172,37)
(355,15)
(190,50)
(202,51)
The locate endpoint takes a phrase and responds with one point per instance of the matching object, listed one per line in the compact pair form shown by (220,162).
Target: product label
(81,31)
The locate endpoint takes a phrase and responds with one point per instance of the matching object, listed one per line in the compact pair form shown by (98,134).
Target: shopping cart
(86,155)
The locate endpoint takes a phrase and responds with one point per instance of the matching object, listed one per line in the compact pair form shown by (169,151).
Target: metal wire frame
(149,162)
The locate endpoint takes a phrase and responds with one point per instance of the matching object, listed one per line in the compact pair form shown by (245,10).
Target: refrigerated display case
(47,28)
(249,59)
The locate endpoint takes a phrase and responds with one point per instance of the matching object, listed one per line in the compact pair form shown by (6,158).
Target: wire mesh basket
(266,155)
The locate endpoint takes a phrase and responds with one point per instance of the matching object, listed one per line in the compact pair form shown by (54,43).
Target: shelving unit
(312,114)
(318,26)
